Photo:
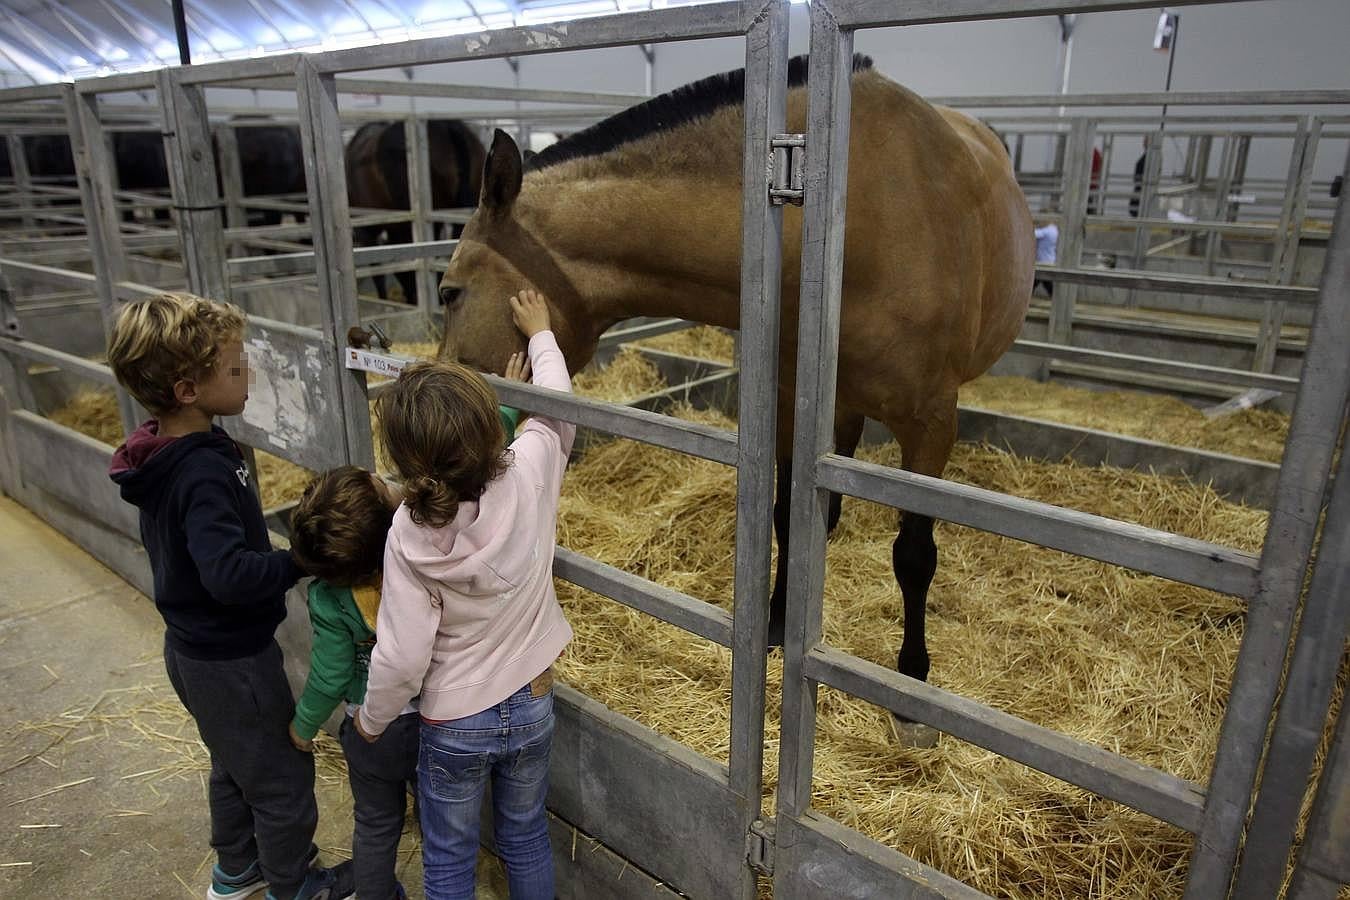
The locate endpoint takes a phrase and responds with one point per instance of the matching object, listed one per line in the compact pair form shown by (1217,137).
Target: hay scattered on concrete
(1129,662)
(1253,433)
(700,342)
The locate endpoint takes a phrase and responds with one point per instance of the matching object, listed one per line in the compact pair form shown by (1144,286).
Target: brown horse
(377,178)
(641,215)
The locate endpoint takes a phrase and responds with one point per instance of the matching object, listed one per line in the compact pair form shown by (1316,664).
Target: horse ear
(501,174)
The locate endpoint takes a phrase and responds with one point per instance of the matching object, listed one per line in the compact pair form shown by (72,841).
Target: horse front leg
(925,445)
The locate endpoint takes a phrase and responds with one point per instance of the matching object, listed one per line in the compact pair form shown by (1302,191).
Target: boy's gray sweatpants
(262,788)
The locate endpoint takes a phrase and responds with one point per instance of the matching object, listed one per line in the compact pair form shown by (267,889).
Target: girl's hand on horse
(530,313)
(518,367)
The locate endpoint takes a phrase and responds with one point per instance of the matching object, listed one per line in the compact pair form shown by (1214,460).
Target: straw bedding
(1132,663)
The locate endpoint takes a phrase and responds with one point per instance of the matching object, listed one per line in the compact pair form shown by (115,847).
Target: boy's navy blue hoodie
(218,583)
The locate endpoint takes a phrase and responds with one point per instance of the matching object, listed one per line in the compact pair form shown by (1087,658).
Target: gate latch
(759,846)
(786,168)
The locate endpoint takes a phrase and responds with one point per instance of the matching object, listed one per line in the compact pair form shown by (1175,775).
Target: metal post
(1304,706)
(766,57)
(1244,149)
(231,175)
(1076,185)
(23,183)
(1324,860)
(326,177)
(419,198)
(1214,238)
(1284,557)
(180,29)
(94,172)
(826,183)
(192,181)
(1287,240)
(1143,233)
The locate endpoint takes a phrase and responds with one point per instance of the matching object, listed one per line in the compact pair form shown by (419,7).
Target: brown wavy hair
(339,527)
(164,339)
(442,431)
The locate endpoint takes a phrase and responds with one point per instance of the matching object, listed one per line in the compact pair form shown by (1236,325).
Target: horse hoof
(915,735)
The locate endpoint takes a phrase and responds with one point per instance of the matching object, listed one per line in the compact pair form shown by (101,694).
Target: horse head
(498,256)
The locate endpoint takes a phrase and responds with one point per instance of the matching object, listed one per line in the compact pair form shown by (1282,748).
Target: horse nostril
(449,295)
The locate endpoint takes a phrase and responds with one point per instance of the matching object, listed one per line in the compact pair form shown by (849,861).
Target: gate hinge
(786,169)
(759,846)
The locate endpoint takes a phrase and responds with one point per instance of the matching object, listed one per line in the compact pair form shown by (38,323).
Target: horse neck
(637,248)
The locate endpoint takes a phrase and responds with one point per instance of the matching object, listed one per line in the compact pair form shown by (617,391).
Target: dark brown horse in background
(377,178)
(640,215)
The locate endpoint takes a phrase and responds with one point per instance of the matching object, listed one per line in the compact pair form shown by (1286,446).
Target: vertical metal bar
(1143,233)
(1272,319)
(231,175)
(1076,185)
(766,57)
(1222,182)
(1324,860)
(822,263)
(1287,207)
(95,172)
(1017,152)
(192,183)
(1284,558)
(1202,160)
(1304,703)
(326,178)
(762,265)
(180,30)
(1244,149)
(419,197)
(1189,166)
(23,183)
(1104,185)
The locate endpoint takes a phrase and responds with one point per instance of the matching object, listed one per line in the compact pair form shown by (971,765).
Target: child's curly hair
(339,527)
(441,428)
(164,339)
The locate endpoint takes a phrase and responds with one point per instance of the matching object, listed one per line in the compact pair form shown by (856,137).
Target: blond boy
(221,589)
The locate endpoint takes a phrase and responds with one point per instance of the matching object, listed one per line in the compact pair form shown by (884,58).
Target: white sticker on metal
(392,366)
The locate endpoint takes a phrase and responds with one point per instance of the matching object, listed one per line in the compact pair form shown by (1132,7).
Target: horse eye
(450,295)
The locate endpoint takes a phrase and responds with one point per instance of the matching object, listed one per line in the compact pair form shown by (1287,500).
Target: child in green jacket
(338,531)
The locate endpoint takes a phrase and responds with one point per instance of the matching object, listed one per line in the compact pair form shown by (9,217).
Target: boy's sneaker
(337,883)
(233,887)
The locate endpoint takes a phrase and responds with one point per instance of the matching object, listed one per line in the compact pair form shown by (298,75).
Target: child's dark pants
(380,774)
(262,788)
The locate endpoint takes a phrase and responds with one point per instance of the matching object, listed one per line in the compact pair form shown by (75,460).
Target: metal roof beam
(120,15)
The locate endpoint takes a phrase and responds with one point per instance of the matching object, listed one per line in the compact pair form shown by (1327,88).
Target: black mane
(678,107)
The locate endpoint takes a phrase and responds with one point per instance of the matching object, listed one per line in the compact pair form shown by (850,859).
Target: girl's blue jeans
(509,745)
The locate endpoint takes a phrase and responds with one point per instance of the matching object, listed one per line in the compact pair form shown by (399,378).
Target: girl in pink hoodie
(469,620)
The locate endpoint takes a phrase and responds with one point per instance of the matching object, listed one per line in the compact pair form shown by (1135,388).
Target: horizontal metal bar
(123,82)
(302,262)
(1176,98)
(646,27)
(689,613)
(1216,374)
(1181,284)
(702,441)
(1253,228)
(483,92)
(32,92)
(228,70)
(645,330)
(1149,790)
(854,14)
(66,362)
(1162,553)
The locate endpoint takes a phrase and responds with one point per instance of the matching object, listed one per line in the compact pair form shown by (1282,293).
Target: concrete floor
(102,776)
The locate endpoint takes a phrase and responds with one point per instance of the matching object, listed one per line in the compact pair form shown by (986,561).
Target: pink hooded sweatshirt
(469,615)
